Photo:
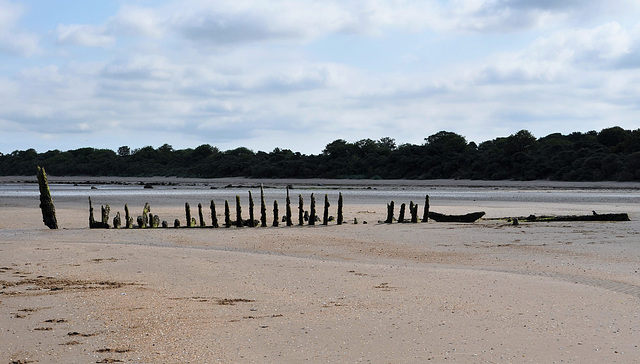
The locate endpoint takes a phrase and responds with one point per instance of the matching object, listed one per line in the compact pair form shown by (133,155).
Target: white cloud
(12,40)
(84,35)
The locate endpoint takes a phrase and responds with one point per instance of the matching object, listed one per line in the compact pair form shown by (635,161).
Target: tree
(124,151)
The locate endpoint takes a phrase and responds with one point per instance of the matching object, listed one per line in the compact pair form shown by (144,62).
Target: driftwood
(470,217)
(593,217)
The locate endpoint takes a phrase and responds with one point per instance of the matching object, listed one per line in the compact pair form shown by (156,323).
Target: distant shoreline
(277,182)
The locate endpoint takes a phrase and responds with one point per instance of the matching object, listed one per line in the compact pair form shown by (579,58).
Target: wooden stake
(46,203)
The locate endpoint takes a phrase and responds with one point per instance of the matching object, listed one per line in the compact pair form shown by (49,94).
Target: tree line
(613,154)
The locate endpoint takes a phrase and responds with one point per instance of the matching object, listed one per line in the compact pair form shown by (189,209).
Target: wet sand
(428,292)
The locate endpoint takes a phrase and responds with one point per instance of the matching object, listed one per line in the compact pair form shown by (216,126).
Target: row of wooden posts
(148,219)
(413,211)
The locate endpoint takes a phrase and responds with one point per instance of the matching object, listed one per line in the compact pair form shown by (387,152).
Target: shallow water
(171,195)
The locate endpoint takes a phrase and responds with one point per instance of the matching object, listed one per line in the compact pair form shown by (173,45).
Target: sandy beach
(487,292)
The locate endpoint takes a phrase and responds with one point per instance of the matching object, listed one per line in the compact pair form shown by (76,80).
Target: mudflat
(428,292)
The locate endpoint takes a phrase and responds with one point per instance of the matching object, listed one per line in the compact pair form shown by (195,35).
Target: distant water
(165,195)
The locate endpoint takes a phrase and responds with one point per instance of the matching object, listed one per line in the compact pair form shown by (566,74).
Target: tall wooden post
(414,213)
(401,217)
(312,215)
(325,215)
(288,210)
(239,222)
(340,216)
(251,216)
(425,215)
(127,217)
(200,215)
(263,208)
(300,210)
(46,203)
(227,214)
(390,208)
(187,210)
(214,217)
(275,213)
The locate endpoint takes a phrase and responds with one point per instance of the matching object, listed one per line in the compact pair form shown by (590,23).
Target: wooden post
(325,215)
(156,221)
(127,217)
(46,203)
(340,216)
(145,215)
(288,211)
(214,218)
(227,215)
(92,220)
(390,208)
(201,216)
(414,213)
(300,210)
(117,221)
(425,215)
(187,211)
(312,215)
(239,222)
(105,210)
(176,223)
(263,208)
(251,216)
(402,208)
(275,213)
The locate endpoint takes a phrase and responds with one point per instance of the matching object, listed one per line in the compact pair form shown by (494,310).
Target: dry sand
(486,292)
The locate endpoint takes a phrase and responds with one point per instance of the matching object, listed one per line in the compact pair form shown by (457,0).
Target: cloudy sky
(299,74)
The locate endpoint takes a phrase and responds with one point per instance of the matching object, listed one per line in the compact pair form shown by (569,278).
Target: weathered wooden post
(312,215)
(227,214)
(425,215)
(300,210)
(46,203)
(263,208)
(275,213)
(401,217)
(251,216)
(390,208)
(239,222)
(214,217)
(201,216)
(176,223)
(156,221)
(117,221)
(105,210)
(145,214)
(127,217)
(288,211)
(165,224)
(92,220)
(340,216)
(325,215)
(414,213)
(187,211)
(140,222)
